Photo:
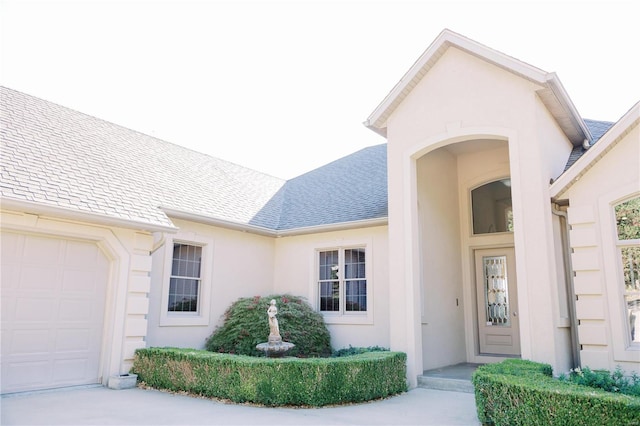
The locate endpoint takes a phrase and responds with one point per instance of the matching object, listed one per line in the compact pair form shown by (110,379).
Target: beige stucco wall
(126,304)
(296,272)
(240,264)
(442,307)
(598,281)
(465,98)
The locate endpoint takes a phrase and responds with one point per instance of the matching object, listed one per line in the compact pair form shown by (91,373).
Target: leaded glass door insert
(496,290)
(496,296)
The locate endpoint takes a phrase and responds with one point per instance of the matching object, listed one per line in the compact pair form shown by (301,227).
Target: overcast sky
(283,87)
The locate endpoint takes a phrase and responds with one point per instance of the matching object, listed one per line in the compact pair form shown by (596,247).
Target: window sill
(331,319)
(173,320)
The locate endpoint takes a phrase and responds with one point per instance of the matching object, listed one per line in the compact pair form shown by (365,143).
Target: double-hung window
(628,242)
(342,281)
(185,281)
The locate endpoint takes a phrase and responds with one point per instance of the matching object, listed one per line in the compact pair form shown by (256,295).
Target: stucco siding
(238,264)
(296,273)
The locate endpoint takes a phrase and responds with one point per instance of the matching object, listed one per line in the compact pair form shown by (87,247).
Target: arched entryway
(462,238)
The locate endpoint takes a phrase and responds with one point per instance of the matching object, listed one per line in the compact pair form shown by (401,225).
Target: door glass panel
(496,291)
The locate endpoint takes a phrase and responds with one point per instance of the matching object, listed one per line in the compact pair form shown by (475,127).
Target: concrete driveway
(102,406)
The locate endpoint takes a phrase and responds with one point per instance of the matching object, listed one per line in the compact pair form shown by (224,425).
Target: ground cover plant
(273,381)
(605,380)
(245,325)
(520,392)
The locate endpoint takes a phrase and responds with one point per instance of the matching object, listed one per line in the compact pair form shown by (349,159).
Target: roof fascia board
(342,226)
(210,220)
(606,142)
(68,214)
(259,230)
(563,97)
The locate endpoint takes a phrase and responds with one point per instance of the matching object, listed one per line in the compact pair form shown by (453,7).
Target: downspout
(568,272)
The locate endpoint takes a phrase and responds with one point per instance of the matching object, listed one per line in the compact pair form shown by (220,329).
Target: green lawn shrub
(245,325)
(273,381)
(520,392)
(605,380)
(356,350)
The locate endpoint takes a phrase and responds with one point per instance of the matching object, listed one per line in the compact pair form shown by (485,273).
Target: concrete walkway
(102,406)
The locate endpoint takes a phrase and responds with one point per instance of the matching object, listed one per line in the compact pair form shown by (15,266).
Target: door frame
(512,328)
(473,342)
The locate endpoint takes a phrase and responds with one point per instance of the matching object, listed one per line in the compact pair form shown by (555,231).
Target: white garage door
(53,303)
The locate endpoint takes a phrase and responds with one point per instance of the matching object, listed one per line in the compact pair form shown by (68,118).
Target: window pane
(328,261)
(330,296)
(491,207)
(354,266)
(628,219)
(633,312)
(186,261)
(183,295)
(356,298)
(631,268)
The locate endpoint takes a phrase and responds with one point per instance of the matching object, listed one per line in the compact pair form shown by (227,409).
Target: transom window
(628,230)
(491,207)
(342,281)
(185,280)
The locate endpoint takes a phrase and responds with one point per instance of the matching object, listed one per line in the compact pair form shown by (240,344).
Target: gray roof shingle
(63,158)
(597,129)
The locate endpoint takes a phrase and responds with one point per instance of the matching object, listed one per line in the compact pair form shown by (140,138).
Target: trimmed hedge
(273,381)
(520,392)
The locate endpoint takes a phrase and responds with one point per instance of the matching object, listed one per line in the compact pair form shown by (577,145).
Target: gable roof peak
(552,95)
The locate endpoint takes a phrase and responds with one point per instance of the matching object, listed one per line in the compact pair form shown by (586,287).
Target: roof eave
(31,207)
(618,131)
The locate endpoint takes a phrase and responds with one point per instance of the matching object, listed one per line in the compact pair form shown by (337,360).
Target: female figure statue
(274,329)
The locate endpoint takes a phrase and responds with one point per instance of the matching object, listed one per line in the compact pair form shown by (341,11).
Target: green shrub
(246,325)
(519,392)
(603,379)
(273,381)
(356,351)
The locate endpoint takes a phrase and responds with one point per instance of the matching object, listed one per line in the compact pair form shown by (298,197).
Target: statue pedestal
(275,348)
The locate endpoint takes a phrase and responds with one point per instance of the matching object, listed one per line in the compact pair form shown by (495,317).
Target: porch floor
(452,377)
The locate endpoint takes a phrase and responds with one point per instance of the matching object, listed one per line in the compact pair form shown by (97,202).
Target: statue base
(275,348)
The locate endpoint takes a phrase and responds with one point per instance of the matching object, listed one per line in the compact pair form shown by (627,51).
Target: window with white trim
(628,243)
(342,281)
(185,280)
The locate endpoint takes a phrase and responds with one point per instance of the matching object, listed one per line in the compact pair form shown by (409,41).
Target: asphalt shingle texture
(63,158)
(597,129)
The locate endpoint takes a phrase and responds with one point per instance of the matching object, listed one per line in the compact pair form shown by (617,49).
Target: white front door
(497,299)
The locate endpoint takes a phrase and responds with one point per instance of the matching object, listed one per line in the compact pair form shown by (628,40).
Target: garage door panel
(31,343)
(42,250)
(34,310)
(82,281)
(52,312)
(39,277)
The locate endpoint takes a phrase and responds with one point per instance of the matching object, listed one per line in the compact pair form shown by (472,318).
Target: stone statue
(275,347)
(274,329)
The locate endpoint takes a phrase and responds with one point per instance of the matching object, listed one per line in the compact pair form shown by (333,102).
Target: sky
(284,87)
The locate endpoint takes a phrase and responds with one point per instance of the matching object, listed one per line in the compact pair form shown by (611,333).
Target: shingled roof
(58,157)
(597,129)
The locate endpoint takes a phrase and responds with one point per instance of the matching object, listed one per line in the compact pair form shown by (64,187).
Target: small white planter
(123,381)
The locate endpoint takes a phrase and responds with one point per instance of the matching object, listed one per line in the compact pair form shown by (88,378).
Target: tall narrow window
(628,227)
(342,281)
(184,284)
